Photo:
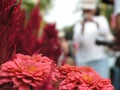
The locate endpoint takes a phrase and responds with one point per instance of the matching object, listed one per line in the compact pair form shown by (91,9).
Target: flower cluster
(81,78)
(19,32)
(25,71)
(31,43)
(40,73)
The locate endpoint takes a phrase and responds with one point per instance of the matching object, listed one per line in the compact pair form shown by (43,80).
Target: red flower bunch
(21,35)
(9,26)
(40,73)
(81,78)
(25,71)
(48,43)
(29,37)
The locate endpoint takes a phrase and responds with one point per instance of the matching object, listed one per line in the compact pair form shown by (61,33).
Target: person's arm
(105,29)
(76,34)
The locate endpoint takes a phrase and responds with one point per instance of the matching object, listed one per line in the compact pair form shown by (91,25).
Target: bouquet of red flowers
(26,72)
(81,78)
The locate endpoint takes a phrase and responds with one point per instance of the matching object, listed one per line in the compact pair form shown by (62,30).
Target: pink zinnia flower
(25,71)
(81,78)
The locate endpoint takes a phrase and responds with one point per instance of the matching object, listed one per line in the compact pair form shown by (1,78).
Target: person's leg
(100,66)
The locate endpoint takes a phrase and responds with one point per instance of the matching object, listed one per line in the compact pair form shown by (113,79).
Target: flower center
(88,78)
(31,68)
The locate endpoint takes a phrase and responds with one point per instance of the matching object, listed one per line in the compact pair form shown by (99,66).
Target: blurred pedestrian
(65,57)
(85,35)
(115,71)
(116,10)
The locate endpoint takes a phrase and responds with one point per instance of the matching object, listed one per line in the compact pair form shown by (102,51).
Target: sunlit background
(64,13)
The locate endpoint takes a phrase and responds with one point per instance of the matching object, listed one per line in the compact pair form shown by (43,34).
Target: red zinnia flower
(81,78)
(25,71)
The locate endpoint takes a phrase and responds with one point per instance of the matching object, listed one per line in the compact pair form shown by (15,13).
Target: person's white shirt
(88,50)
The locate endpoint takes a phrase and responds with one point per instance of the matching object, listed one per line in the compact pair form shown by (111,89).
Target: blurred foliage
(29,4)
(26,4)
(45,4)
(106,10)
(68,32)
(109,12)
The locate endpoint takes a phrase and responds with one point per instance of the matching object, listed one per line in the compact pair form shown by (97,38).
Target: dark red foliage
(27,41)
(9,26)
(18,31)
(27,37)
(49,44)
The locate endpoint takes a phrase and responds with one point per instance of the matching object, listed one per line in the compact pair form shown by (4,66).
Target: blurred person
(115,71)
(116,10)
(116,47)
(85,35)
(65,57)
(115,25)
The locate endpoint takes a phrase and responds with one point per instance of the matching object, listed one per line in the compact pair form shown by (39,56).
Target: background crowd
(95,39)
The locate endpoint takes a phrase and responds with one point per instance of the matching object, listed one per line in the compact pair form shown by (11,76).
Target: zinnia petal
(26,80)
(24,87)
(17,81)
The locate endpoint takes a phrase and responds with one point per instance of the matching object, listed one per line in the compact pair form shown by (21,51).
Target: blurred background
(65,13)
(50,27)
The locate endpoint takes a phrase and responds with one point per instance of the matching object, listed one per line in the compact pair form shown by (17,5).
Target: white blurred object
(61,34)
(63,13)
(86,41)
(89,4)
(116,7)
(112,61)
(110,37)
